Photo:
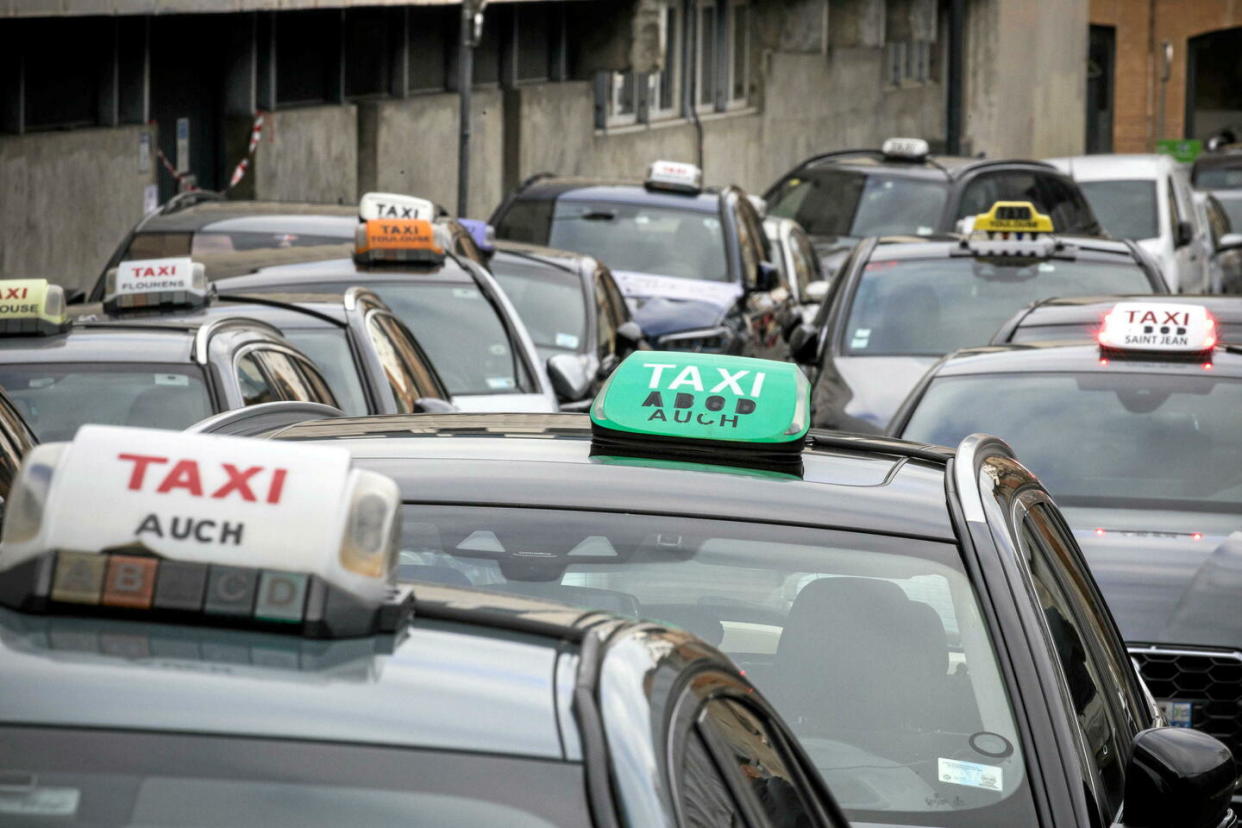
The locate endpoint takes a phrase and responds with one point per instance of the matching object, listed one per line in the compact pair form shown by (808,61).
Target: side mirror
(1229,241)
(77,296)
(433,405)
(817,291)
(630,334)
(768,278)
(569,377)
(1184,234)
(804,344)
(1177,778)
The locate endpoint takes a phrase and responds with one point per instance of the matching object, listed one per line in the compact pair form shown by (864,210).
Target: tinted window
(687,244)
(985,190)
(1233,209)
(1065,204)
(704,796)
(1126,209)
(804,263)
(606,319)
(846,203)
(526,220)
(1108,439)
(1218,178)
(55,399)
(550,302)
(288,380)
(408,375)
(933,306)
(329,348)
(872,648)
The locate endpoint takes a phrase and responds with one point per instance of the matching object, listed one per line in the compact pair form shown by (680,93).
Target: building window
(366,52)
(908,63)
(434,30)
(67,68)
(620,98)
(706,68)
(664,87)
(739,43)
(308,46)
(534,41)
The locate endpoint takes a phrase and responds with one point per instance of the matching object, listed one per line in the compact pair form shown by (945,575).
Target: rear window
(329,349)
(848,203)
(526,220)
(1126,209)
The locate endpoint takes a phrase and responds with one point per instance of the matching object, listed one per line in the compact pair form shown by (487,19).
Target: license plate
(1177,713)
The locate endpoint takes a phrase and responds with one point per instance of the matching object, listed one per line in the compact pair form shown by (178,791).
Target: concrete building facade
(355,96)
(1164,69)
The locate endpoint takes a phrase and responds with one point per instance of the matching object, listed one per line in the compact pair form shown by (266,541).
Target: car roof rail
(254,299)
(263,418)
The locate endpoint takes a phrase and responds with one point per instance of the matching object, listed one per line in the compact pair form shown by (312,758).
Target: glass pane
(254,386)
(741,37)
(55,399)
(842,203)
(550,302)
(329,348)
(707,55)
(706,801)
(1126,209)
(286,379)
(760,760)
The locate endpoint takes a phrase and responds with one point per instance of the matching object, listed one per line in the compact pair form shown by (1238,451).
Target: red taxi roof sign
(394,206)
(675,177)
(219,526)
(145,284)
(397,240)
(1158,328)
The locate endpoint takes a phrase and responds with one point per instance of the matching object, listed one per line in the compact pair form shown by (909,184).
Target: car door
(1188,238)
(766,312)
(408,373)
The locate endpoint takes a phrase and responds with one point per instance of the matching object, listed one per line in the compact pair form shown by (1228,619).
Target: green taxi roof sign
(705,397)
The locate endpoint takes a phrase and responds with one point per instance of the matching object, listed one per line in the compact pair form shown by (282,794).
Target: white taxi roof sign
(234,504)
(31,306)
(674,176)
(908,149)
(394,206)
(1158,327)
(148,283)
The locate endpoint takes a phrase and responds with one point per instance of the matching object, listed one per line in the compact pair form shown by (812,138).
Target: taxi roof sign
(237,529)
(147,284)
(394,206)
(704,401)
(907,149)
(1012,217)
(397,240)
(31,306)
(675,177)
(1154,328)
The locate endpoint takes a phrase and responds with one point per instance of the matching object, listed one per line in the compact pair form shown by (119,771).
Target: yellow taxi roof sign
(1013,217)
(31,306)
(397,240)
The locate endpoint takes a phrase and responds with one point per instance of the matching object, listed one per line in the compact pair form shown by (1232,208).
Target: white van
(1148,198)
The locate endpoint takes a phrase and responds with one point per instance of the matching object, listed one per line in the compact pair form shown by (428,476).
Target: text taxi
(1136,433)
(274,671)
(135,368)
(872,588)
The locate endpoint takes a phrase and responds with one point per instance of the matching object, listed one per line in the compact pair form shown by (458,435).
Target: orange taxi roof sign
(397,240)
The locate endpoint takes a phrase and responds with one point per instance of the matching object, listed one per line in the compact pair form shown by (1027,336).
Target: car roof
(933,247)
(1118,166)
(546,461)
(1042,357)
(258,217)
(515,257)
(124,341)
(407,691)
(620,192)
(934,166)
(303,276)
(1076,309)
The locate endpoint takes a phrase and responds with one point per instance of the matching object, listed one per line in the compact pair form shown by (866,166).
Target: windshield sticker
(465,293)
(180,380)
(481,540)
(969,774)
(874,266)
(924,230)
(1047,267)
(498,349)
(42,802)
(862,336)
(564,340)
(501,383)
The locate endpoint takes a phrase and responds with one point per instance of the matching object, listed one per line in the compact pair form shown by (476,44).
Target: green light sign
(1182,149)
(705,397)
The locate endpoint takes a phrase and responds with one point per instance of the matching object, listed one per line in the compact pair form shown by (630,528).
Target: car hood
(1169,577)
(636,285)
(878,385)
(504,403)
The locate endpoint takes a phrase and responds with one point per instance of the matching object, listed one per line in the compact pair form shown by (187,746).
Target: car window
(1087,681)
(314,381)
(748,244)
(1127,209)
(287,380)
(15,440)
(1175,211)
(606,321)
(759,760)
(407,374)
(550,302)
(255,387)
(56,398)
(526,220)
(986,189)
(1064,203)
(330,350)
(804,264)
(838,202)
(158,246)
(703,794)
(1216,220)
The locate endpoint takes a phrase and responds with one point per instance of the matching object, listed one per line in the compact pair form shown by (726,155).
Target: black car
(921,617)
(693,263)
(1217,171)
(1079,318)
(574,312)
(1142,448)
(899,304)
(902,190)
(284,678)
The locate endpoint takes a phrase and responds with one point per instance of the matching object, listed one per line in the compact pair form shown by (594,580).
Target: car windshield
(329,349)
(687,244)
(1230,332)
(928,307)
(550,301)
(462,333)
(1218,177)
(871,647)
(1126,209)
(56,398)
(847,203)
(1108,439)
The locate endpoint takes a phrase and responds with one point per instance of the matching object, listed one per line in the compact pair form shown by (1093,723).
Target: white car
(1148,198)
(794,254)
